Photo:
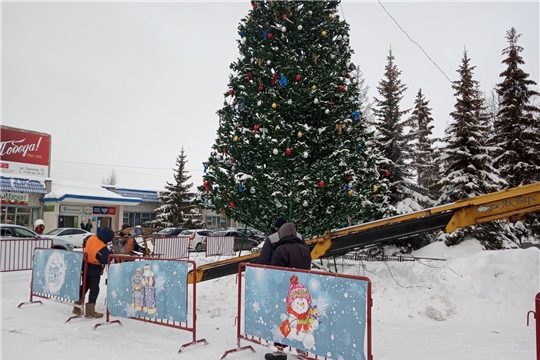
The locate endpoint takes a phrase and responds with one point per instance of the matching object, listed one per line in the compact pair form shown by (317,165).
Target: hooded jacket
(97,251)
(290,251)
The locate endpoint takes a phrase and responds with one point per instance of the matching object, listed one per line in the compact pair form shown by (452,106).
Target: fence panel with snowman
(322,314)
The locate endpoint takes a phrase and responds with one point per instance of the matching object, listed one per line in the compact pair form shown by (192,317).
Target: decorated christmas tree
(292,140)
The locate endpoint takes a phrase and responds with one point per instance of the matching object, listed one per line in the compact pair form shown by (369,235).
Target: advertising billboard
(24,152)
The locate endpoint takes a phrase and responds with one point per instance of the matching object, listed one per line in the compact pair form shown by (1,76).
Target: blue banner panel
(154,288)
(325,315)
(57,273)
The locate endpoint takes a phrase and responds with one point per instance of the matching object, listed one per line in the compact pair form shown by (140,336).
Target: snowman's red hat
(297,290)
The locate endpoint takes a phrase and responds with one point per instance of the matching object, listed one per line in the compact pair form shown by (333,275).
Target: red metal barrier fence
(172,247)
(536,315)
(116,276)
(18,254)
(220,245)
(58,275)
(311,314)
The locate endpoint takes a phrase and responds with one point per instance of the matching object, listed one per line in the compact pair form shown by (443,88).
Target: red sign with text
(24,147)
(112,211)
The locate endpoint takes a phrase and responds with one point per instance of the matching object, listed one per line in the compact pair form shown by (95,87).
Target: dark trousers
(92,284)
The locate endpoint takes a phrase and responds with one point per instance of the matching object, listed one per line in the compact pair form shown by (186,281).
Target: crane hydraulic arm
(508,204)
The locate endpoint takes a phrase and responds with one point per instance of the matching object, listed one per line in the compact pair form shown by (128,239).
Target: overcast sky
(126,85)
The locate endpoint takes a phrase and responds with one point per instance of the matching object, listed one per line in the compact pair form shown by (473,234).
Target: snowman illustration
(301,318)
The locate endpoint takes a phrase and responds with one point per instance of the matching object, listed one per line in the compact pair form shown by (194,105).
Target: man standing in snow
(286,249)
(98,256)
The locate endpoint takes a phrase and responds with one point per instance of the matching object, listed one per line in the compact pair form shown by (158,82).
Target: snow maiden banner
(155,289)
(57,273)
(326,315)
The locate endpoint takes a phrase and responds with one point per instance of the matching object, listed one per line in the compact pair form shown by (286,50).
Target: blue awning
(22,185)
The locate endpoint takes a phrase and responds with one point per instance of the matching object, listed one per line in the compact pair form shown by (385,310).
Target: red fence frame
(19,254)
(56,298)
(208,238)
(264,342)
(163,322)
(170,249)
(536,315)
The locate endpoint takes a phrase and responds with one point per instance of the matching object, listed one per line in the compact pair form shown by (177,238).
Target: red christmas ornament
(270,35)
(261,88)
(341,88)
(298,78)
(205,184)
(231,204)
(231,91)
(331,104)
(321,184)
(284,16)
(386,173)
(223,192)
(348,76)
(255,128)
(250,75)
(225,151)
(274,79)
(288,152)
(232,160)
(254,4)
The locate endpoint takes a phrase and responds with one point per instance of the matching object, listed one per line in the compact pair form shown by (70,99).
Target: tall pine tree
(177,208)
(392,141)
(423,155)
(466,155)
(517,125)
(292,140)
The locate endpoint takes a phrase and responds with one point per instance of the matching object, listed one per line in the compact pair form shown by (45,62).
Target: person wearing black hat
(126,242)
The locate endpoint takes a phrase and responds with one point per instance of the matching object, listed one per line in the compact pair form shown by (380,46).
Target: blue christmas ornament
(356,98)
(243,103)
(283,81)
(265,34)
(241,188)
(205,168)
(346,187)
(357,147)
(356,115)
(241,33)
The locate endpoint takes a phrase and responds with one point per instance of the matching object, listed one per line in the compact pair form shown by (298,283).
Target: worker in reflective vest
(97,256)
(127,242)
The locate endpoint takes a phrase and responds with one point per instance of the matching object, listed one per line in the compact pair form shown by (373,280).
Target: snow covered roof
(23,185)
(145,195)
(84,193)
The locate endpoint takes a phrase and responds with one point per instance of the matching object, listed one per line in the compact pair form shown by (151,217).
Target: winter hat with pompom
(297,290)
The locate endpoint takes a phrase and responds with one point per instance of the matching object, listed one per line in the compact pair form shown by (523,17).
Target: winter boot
(276,355)
(76,309)
(91,311)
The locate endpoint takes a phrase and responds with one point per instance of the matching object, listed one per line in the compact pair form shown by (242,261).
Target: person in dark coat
(127,242)
(289,251)
(98,256)
(265,255)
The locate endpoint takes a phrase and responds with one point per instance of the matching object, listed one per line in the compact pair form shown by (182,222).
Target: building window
(135,219)
(23,216)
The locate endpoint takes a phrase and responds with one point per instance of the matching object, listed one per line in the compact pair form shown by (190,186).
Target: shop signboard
(88,210)
(24,152)
(48,208)
(71,209)
(104,210)
(11,198)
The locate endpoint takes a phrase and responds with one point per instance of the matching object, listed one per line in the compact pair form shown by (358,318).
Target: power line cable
(119,166)
(379,1)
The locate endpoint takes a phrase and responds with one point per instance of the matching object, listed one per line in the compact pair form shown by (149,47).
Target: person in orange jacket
(98,256)
(127,242)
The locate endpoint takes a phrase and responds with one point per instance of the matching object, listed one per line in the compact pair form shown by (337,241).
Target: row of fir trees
(298,136)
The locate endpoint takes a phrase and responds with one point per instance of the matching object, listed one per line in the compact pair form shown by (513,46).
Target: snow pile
(439,249)
(469,307)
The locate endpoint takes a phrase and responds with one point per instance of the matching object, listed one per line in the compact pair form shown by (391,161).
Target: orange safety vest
(93,246)
(128,247)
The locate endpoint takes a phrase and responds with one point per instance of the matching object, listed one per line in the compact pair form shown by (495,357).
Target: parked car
(168,232)
(197,239)
(73,235)
(8,231)
(241,242)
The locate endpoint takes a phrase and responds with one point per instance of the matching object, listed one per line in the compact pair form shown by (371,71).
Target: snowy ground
(472,306)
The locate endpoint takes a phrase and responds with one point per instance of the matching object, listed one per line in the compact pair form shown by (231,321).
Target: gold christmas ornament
(323,33)
(249,17)
(339,128)
(350,192)
(313,87)
(315,57)
(330,15)
(235,139)
(274,105)
(375,188)
(276,128)
(299,134)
